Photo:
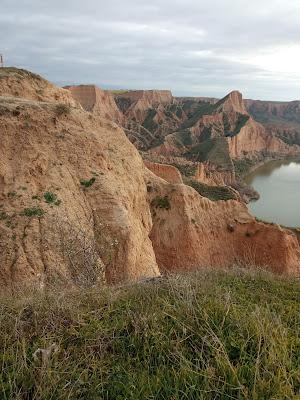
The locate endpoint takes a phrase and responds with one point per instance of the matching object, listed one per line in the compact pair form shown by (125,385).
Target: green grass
(214,193)
(210,335)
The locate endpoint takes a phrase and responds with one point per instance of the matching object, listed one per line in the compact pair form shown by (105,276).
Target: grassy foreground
(210,335)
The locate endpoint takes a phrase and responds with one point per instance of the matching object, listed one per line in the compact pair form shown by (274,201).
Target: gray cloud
(189,46)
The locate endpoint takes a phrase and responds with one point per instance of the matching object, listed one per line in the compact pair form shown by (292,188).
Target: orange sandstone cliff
(97,101)
(77,203)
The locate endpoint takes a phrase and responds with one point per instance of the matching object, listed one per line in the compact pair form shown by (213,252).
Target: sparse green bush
(214,193)
(161,202)
(33,212)
(62,109)
(88,183)
(3,215)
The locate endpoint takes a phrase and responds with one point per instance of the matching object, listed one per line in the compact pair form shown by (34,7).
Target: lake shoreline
(278,187)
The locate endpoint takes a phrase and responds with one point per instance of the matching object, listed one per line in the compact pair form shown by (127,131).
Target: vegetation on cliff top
(214,193)
(208,335)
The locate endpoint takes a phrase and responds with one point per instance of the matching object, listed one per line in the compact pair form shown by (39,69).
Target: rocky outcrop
(191,232)
(164,171)
(210,175)
(253,141)
(16,82)
(73,198)
(137,102)
(96,101)
(274,111)
(280,119)
(150,115)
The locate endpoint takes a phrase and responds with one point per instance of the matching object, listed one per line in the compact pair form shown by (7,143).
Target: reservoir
(278,183)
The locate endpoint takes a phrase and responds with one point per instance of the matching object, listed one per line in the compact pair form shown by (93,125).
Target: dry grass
(208,335)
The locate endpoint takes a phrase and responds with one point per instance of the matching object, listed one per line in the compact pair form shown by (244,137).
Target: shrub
(161,202)
(62,109)
(3,215)
(50,197)
(214,193)
(33,212)
(87,183)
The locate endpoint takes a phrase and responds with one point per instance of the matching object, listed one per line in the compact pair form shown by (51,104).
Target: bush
(161,202)
(214,193)
(33,212)
(62,109)
(87,183)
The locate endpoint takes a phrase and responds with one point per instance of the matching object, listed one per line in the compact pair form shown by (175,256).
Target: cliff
(73,199)
(164,171)
(96,101)
(77,203)
(210,175)
(190,231)
(274,111)
(280,119)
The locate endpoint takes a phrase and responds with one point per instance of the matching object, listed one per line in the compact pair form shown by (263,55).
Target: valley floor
(209,335)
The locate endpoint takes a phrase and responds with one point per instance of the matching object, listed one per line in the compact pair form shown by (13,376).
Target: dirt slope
(16,82)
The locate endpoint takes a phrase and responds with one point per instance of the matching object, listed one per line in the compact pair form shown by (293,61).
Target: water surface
(278,183)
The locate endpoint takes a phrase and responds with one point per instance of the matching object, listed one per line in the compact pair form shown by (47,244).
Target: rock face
(191,232)
(68,197)
(166,172)
(77,202)
(97,101)
(24,84)
(254,141)
(280,119)
(150,115)
(209,174)
(274,111)
(136,102)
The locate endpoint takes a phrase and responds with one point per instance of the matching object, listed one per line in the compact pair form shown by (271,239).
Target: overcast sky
(193,47)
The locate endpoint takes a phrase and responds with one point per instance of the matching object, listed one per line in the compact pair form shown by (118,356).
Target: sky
(193,47)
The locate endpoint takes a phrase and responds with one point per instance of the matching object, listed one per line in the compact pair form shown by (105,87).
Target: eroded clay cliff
(96,101)
(72,198)
(77,202)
